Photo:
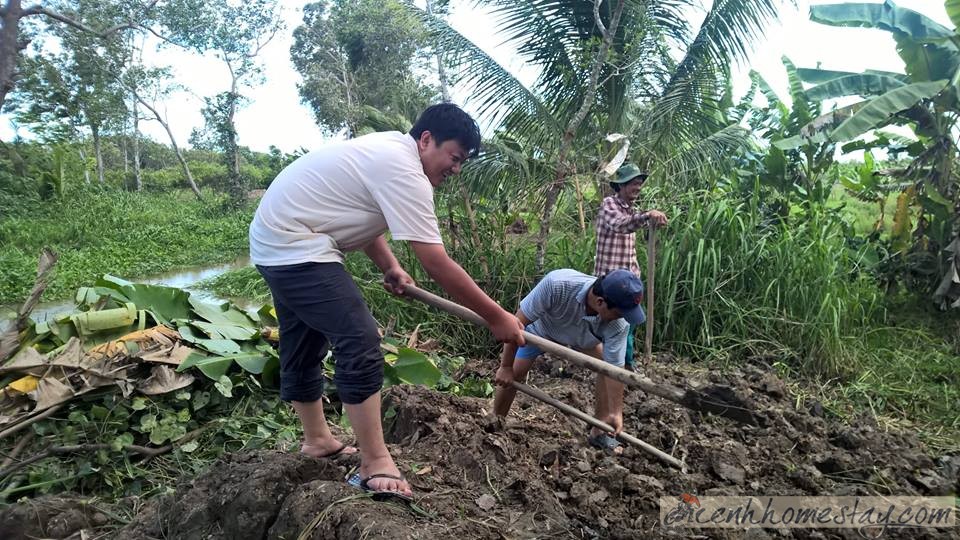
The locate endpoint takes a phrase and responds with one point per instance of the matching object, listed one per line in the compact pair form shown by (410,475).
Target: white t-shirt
(342,197)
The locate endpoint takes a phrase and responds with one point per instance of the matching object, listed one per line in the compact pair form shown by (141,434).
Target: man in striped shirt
(585,313)
(617,224)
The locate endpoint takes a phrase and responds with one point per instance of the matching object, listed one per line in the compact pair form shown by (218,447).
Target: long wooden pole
(626,377)
(651,265)
(689,398)
(577,413)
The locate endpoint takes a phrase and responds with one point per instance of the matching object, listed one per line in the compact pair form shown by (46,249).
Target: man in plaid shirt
(617,224)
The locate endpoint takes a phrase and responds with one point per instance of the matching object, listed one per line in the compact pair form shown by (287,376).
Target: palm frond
(495,90)
(708,156)
(728,29)
(689,111)
(670,19)
(548,34)
(506,170)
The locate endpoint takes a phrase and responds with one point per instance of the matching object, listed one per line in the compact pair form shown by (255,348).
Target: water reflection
(184,278)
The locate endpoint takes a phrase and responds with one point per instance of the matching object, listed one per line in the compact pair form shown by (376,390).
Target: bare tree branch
(162,37)
(598,20)
(10,340)
(260,46)
(40,10)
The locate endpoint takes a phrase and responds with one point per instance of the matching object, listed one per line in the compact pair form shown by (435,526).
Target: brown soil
(534,476)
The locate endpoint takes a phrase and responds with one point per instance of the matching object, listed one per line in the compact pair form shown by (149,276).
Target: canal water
(184,278)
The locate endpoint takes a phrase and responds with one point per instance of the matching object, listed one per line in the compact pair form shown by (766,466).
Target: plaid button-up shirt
(616,237)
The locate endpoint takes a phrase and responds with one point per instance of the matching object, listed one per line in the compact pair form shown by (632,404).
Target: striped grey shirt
(557,309)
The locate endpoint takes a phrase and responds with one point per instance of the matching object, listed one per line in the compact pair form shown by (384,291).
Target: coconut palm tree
(634,67)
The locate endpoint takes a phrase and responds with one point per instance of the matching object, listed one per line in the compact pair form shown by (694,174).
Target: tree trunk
(464,192)
(86,171)
(238,192)
(472,219)
(563,168)
(582,215)
(553,192)
(9,47)
(173,143)
(126,157)
(352,121)
(441,71)
(138,177)
(97,151)
(180,158)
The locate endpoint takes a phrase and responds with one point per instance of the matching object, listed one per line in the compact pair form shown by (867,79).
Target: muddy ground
(534,476)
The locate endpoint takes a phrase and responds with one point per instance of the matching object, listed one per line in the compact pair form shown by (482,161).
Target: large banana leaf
(927,48)
(925,61)
(797,141)
(953,11)
(224,313)
(886,16)
(862,84)
(803,111)
(165,303)
(818,76)
(815,132)
(226,331)
(213,367)
(878,111)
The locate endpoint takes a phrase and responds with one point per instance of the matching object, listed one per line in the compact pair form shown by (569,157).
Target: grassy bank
(96,231)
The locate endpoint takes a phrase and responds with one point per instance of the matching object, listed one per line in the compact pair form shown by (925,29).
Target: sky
(276,117)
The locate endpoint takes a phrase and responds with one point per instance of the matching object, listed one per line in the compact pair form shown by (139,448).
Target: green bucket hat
(627,173)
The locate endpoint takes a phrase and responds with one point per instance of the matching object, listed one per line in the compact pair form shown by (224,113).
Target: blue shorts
(529,351)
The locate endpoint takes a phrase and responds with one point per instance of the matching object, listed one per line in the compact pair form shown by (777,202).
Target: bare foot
(384,465)
(326,448)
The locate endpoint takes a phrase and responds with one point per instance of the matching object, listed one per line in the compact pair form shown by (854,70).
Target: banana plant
(796,171)
(926,97)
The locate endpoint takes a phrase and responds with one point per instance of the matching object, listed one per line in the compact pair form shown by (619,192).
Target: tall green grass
(731,282)
(861,215)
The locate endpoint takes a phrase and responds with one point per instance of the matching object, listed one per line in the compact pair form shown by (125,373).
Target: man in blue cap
(617,224)
(586,313)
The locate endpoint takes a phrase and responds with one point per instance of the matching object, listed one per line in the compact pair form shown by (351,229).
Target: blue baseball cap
(624,290)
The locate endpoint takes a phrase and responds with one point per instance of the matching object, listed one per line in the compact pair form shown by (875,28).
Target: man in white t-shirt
(344,197)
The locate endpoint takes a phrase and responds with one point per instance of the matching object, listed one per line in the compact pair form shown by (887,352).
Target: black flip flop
(378,495)
(604,442)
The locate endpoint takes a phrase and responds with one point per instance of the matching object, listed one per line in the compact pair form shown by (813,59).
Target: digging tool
(651,264)
(577,413)
(718,400)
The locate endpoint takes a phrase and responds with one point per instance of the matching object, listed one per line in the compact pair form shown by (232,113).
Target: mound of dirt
(535,477)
